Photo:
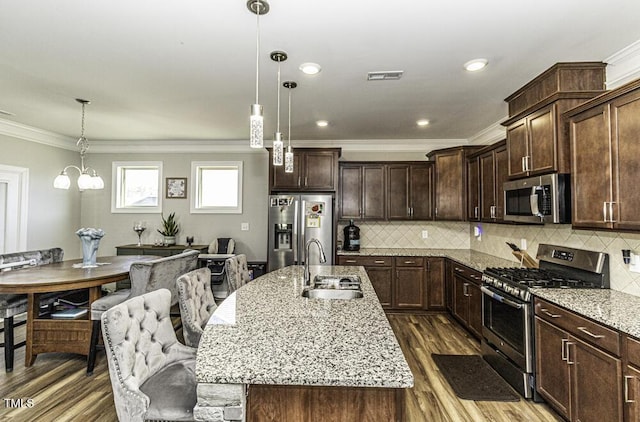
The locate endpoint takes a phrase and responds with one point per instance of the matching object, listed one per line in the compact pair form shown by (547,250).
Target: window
(216,187)
(135,187)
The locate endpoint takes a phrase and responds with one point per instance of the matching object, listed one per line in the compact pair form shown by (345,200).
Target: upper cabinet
(385,191)
(487,172)
(604,151)
(314,170)
(537,135)
(450,181)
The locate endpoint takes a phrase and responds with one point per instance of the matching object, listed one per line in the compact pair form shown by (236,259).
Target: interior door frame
(17,204)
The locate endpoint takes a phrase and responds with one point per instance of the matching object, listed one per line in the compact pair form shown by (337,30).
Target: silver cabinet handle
(305,180)
(378,262)
(350,261)
(611,219)
(549,314)
(522,164)
(475,277)
(604,212)
(465,289)
(569,361)
(460,270)
(527,163)
(435,210)
(298,180)
(409,262)
(590,334)
(564,347)
(476,212)
(626,389)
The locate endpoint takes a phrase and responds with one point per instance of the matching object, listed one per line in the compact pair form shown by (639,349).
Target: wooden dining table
(46,334)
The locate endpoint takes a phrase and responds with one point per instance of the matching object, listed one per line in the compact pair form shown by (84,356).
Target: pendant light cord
(289,134)
(278,111)
(258,5)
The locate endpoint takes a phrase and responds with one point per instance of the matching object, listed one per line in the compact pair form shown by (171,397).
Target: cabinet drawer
(633,351)
(367,261)
(466,272)
(580,327)
(409,261)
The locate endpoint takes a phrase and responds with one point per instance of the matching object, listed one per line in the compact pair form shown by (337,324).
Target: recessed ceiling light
(322,123)
(310,68)
(422,122)
(475,65)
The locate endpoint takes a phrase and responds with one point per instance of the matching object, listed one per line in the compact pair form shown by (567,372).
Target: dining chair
(196,303)
(145,276)
(12,305)
(152,374)
(237,272)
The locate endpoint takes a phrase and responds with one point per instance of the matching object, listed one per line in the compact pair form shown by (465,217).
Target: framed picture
(176,187)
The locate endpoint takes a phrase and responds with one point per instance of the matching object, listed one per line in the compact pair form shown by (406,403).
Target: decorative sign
(176,187)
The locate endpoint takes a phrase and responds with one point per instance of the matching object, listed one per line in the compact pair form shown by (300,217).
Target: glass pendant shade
(256,139)
(62,181)
(278,150)
(288,160)
(97,182)
(85,182)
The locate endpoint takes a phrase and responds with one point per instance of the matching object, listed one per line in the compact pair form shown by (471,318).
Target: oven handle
(501,299)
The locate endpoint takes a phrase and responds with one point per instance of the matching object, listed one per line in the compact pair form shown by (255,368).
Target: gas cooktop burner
(536,277)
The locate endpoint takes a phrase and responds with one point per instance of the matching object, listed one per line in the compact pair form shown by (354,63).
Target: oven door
(506,324)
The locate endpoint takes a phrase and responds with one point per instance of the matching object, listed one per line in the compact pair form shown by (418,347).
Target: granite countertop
(609,307)
(468,257)
(282,338)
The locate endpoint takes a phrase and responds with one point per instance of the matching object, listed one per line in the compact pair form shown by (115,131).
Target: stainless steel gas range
(507,307)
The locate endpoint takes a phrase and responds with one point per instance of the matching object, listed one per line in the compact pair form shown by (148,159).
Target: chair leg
(95,334)
(9,347)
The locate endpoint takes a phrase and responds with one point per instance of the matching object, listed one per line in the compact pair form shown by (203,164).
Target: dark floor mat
(473,379)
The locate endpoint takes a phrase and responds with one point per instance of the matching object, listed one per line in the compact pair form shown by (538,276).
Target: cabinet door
(552,371)
(421,180)
(282,180)
(542,141)
(502,175)
(473,190)
(475,309)
(460,299)
(487,186)
(597,390)
(409,288)
(631,390)
(626,139)
(373,190)
(398,189)
(591,168)
(517,147)
(450,187)
(320,170)
(435,274)
(381,278)
(350,192)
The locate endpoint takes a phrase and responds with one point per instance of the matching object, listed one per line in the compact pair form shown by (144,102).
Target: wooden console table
(134,249)
(45,334)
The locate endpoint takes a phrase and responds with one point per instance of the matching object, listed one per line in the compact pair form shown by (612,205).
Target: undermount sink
(334,287)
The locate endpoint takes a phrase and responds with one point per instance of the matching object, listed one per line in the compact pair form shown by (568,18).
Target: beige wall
(96,205)
(53,214)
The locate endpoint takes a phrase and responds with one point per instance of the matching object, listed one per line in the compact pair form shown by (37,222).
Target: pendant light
(89,178)
(288,156)
(278,56)
(256,120)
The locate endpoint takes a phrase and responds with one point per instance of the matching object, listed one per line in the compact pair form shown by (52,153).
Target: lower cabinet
(578,370)
(466,301)
(631,386)
(409,283)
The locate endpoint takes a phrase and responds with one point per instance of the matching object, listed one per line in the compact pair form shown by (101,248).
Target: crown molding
(33,134)
(494,133)
(623,66)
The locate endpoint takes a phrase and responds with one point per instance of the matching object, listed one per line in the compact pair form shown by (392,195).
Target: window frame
(196,190)
(116,174)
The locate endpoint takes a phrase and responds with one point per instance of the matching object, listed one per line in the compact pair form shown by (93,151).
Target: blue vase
(90,239)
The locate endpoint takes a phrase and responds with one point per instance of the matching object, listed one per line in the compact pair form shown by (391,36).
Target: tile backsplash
(458,235)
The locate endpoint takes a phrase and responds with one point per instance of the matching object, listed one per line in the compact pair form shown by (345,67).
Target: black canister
(351,237)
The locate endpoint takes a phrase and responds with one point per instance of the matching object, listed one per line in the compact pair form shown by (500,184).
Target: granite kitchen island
(285,357)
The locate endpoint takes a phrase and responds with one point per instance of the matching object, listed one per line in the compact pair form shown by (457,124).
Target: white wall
(53,215)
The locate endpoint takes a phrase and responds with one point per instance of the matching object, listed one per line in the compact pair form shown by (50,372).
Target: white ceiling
(185,70)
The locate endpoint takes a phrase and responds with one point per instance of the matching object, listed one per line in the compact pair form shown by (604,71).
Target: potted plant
(170,229)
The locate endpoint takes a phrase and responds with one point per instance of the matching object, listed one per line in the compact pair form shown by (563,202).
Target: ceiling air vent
(390,75)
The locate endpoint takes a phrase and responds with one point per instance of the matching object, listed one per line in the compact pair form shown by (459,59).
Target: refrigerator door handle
(294,240)
(303,236)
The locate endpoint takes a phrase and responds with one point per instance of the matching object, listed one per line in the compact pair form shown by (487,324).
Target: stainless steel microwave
(538,200)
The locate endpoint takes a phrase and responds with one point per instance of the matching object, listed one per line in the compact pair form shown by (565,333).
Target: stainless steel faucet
(323,259)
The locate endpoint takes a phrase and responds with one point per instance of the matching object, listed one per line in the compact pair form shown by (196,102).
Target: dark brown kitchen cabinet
(492,175)
(631,386)
(467,298)
(314,170)
(409,283)
(450,181)
(409,191)
(604,147)
(380,272)
(578,370)
(435,276)
(473,189)
(362,191)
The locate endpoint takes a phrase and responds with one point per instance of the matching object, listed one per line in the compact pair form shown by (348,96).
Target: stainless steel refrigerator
(293,220)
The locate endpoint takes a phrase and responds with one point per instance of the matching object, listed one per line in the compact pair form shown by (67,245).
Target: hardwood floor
(60,391)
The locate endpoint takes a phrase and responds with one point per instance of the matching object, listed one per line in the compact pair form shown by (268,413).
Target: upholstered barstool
(152,374)
(196,303)
(237,272)
(145,276)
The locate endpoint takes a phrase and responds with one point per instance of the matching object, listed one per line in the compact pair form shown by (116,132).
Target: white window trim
(114,188)
(195,187)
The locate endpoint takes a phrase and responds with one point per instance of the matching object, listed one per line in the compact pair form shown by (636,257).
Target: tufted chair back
(237,271)
(196,303)
(161,273)
(141,344)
